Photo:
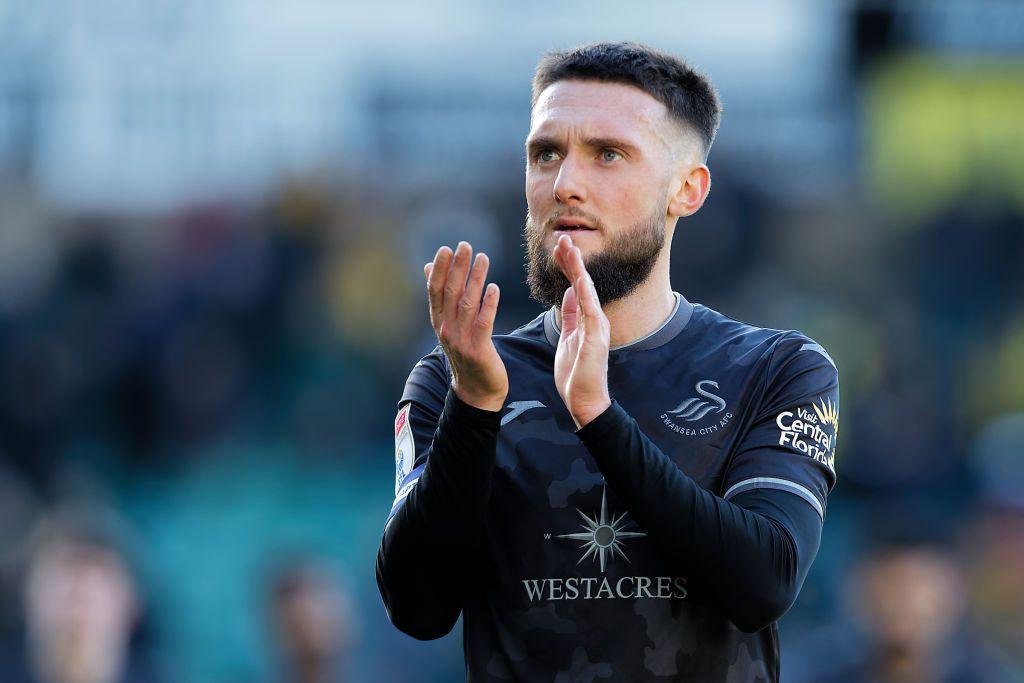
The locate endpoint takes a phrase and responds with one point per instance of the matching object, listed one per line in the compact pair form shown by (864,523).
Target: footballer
(631,486)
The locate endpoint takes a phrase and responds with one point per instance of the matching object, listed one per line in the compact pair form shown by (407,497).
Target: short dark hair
(688,94)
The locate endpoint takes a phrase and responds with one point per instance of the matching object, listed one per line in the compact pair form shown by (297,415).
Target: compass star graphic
(602,537)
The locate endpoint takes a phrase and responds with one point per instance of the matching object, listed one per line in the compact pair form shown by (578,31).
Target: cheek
(630,196)
(539,191)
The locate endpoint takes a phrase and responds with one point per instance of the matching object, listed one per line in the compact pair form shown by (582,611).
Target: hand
(464,327)
(581,360)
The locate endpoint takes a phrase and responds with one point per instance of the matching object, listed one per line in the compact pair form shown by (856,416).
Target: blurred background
(213,218)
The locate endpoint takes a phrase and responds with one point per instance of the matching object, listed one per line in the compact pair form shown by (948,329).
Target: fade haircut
(687,94)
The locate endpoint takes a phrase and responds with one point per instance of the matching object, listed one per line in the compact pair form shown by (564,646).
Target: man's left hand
(581,361)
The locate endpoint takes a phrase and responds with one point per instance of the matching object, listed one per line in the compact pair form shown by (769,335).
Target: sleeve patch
(405,446)
(811,430)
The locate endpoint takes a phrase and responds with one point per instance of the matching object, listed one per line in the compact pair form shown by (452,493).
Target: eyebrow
(539,143)
(612,142)
(536,144)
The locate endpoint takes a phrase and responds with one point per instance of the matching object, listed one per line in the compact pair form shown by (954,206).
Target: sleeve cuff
(597,430)
(458,410)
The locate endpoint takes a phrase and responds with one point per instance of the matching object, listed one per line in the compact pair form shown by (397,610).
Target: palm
(565,361)
(581,358)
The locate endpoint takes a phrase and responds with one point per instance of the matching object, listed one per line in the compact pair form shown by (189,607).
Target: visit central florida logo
(811,431)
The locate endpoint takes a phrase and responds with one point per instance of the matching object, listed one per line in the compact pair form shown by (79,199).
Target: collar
(673,325)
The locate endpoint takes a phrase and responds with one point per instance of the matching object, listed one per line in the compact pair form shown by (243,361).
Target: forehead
(597,109)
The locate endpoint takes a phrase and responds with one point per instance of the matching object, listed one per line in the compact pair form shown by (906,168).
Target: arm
(427,553)
(426,556)
(750,553)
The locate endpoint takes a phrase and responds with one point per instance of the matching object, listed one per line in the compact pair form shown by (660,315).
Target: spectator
(81,606)
(911,601)
(313,624)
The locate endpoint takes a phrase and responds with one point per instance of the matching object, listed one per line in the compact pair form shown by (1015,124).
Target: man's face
(599,161)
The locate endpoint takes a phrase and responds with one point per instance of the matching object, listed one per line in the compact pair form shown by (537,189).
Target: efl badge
(405,449)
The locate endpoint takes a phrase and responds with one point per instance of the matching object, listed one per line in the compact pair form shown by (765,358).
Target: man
(313,625)
(82,604)
(630,486)
(911,600)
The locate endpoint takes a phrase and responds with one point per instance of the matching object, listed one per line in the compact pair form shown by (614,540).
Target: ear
(691,189)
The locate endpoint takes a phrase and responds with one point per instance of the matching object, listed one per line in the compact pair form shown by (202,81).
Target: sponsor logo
(811,430)
(603,535)
(517,408)
(603,540)
(696,410)
(593,588)
(405,448)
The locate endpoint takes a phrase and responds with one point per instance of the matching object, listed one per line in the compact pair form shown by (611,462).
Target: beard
(617,270)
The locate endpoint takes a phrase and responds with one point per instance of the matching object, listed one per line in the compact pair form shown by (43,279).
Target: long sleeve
(752,553)
(426,556)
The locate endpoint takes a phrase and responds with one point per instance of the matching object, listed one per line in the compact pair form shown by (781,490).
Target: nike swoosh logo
(517,408)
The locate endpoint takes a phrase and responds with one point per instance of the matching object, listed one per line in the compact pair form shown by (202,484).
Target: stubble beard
(617,270)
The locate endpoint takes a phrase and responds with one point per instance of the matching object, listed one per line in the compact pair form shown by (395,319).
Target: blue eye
(546,155)
(610,155)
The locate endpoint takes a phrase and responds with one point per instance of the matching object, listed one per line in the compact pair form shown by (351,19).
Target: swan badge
(697,408)
(693,409)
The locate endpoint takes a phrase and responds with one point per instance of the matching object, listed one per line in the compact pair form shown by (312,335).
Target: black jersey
(589,560)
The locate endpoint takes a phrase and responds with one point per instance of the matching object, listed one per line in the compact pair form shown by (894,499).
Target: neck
(640,313)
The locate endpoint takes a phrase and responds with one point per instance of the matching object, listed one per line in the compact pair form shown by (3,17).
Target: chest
(692,417)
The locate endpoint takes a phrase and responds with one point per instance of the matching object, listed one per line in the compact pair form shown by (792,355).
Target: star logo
(828,413)
(603,536)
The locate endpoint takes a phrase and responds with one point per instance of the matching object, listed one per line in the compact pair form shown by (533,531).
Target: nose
(569,184)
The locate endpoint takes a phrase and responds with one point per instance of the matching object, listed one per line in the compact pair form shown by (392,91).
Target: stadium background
(212,222)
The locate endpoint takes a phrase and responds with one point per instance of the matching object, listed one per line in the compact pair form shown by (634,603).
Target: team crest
(698,415)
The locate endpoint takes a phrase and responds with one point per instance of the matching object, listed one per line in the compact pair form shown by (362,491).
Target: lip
(569,224)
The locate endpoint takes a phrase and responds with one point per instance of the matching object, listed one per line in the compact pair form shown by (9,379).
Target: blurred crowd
(196,405)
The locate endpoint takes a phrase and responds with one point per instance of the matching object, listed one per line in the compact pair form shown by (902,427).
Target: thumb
(570,311)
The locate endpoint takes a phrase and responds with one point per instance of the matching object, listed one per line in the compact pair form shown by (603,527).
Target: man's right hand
(464,326)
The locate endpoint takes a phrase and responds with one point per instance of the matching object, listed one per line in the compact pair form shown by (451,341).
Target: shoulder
(428,381)
(532,331)
(749,342)
(785,365)
(528,342)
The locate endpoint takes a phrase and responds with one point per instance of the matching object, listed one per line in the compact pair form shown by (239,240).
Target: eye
(610,155)
(546,155)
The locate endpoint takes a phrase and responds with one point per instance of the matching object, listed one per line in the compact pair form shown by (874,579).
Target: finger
(589,303)
(427,267)
(576,267)
(570,311)
(469,305)
(435,284)
(483,327)
(561,252)
(456,281)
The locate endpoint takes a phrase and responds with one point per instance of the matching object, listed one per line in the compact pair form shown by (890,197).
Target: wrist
(587,414)
(490,402)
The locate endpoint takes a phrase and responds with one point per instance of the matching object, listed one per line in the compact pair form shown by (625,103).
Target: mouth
(570,226)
